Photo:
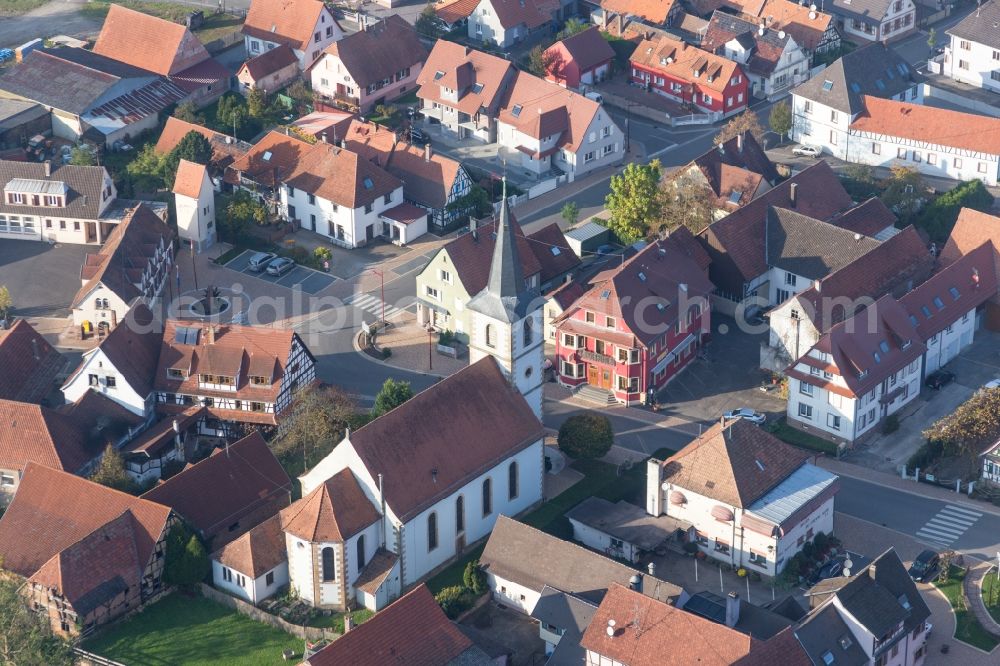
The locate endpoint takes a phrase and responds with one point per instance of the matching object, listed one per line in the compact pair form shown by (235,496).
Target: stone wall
(254,613)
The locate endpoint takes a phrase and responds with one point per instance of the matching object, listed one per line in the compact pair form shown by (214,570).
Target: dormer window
(16,198)
(177,373)
(223,380)
(259,380)
(477,88)
(438,75)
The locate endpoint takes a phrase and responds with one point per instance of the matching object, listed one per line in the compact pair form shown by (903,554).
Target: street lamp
(430,346)
(628,124)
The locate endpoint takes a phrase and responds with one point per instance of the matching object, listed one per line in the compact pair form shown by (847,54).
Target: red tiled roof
(98,567)
(200,75)
(290,22)
(189,179)
(451,12)
(224,149)
(547,109)
(470,254)
(340,176)
(271,159)
(654,11)
(133,346)
(679,61)
(739,164)
(971,230)
(413,630)
(29,363)
(856,346)
(460,68)
(237,483)
(329,124)
(380,51)
(941,127)
(567,293)
(554,254)
(256,552)
(633,293)
(148,42)
(737,241)
(867,218)
(32,433)
(52,510)
(737,463)
(955,290)
(766,50)
(336,510)
(588,49)
(805,25)
(512,13)
(269,62)
(426,448)
(405,213)
(649,632)
(161,434)
(94,412)
(893,267)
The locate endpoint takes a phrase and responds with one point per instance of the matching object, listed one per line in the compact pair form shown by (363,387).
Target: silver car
(805,150)
(280,266)
(745,413)
(259,261)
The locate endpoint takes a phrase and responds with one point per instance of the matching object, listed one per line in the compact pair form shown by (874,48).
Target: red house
(689,75)
(583,58)
(640,323)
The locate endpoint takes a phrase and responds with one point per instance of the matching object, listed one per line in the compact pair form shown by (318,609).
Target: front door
(593,375)
(370,232)
(91,232)
(606,378)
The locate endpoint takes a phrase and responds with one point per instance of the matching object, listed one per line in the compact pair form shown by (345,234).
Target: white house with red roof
(194,203)
(579,60)
(305,26)
(508,22)
(936,142)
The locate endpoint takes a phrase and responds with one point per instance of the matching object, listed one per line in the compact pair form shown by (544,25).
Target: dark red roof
(953,291)
(270,61)
(588,49)
(133,347)
(237,483)
(413,630)
(471,252)
(554,254)
(29,363)
(646,292)
(867,218)
(736,243)
(742,152)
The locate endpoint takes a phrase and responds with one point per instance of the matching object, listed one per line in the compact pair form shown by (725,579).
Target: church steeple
(506,296)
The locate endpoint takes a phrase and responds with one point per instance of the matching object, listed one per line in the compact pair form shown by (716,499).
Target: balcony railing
(594,357)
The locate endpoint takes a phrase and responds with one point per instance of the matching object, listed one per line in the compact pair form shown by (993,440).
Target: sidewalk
(973,587)
(414,350)
(913,487)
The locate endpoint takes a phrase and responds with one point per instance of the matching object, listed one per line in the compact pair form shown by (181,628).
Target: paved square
(309,280)
(45,276)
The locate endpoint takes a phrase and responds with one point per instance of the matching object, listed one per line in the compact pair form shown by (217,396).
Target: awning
(720,512)
(681,346)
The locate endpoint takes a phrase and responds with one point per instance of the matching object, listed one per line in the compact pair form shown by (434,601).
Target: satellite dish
(812,7)
(781,34)
(848,564)
(846,572)
(812,15)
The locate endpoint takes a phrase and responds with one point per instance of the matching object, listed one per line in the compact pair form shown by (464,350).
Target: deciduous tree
(570,212)
(427,23)
(972,426)
(392,394)
(686,203)
(634,201)
(539,61)
(904,191)
(315,423)
(475,203)
(81,156)
(6,302)
(187,112)
(781,119)
(187,562)
(242,211)
(744,122)
(587,435)
(25,636)
(572,27)
(148,169)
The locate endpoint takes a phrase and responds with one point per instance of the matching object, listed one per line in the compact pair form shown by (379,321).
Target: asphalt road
(940,525)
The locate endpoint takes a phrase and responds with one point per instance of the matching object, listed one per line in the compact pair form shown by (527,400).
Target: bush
(474,578)
(323,254)
(187,562)
(691,548)
(890,425)
(938,217)
(386,352)
(928,453)
(587,435)
(822,542)
(446,337)
(454,600)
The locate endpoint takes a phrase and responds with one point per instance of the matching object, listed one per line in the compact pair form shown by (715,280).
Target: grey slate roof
(756,621)
(85,184)
(626,521)
(13,112)
(809,247)
(825,631)
(874,70)
(569,613)
(505,297)
(868,11)
(981,26)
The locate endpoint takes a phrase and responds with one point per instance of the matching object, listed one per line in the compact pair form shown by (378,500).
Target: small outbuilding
(623,530)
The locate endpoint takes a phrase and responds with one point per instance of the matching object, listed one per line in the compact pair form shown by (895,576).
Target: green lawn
(991,594)
(804,440)
(967,627)
(193,631)
(18,7)
(213,27)
(336,620)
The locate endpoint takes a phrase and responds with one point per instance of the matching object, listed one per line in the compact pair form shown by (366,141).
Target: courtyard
(46,276)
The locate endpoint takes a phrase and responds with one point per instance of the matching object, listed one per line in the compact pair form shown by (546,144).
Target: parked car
(259,261)
(837,567)
(806,150)
(936,380)
(925,567)
(745,413)
(280,266)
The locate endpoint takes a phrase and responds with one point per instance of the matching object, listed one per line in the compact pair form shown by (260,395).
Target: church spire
(506,275)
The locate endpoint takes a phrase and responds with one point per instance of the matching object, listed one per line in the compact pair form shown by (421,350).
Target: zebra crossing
(948,525)
(372,305)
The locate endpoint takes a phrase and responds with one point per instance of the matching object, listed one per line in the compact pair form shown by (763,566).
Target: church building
(410,491)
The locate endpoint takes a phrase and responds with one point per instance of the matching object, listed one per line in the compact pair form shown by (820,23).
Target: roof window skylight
(516,111)
(938,303)
(828,85)
(368,183)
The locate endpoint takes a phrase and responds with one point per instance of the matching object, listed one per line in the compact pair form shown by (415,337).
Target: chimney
(114,318)
(348,622)
(651,568)
(473,227)
(817,285)
(427,152)
(732,609)
(793,194)
(739,142)
(211,335)
(48,168)
(635,583)
(322,137)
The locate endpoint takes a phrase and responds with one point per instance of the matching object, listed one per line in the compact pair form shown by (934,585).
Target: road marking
(948,525)
(372,305)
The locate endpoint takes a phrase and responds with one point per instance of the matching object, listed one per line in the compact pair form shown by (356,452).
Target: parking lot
(309,280)
(46,276)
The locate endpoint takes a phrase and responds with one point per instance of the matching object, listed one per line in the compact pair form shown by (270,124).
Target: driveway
(60,17)
(728,378)
(308,280)
(978,364)
(42,278)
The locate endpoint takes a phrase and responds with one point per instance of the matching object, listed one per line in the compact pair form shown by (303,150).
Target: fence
(220,44)
(244,608)
(84,658)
